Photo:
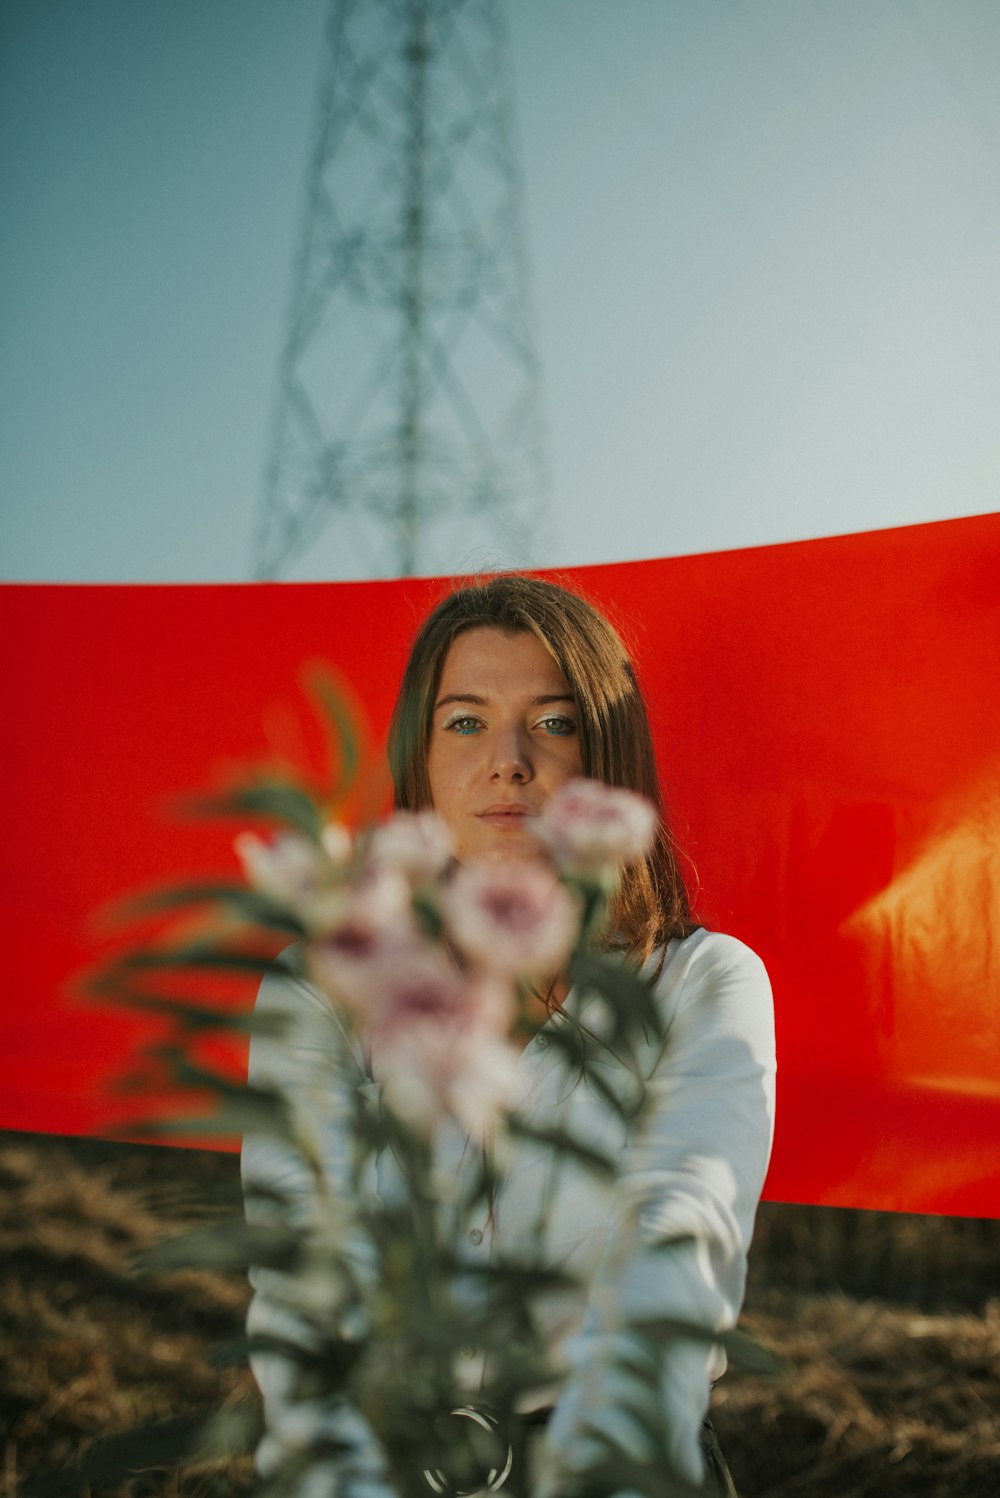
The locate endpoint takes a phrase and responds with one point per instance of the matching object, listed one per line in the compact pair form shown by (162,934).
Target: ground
(890,1337)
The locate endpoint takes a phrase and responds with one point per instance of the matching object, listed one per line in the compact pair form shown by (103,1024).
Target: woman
(513,687)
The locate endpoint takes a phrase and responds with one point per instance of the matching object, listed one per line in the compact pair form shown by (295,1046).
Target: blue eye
(464,725)
(560,727)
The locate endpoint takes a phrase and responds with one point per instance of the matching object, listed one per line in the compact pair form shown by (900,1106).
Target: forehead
(487,660)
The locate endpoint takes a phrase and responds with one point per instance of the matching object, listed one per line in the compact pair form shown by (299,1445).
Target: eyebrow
(484,701)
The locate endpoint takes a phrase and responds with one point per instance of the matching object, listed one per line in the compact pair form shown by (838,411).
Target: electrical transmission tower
(408,422)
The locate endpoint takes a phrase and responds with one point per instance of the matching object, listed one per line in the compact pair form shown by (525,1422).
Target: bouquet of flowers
(430,977)
(437,974)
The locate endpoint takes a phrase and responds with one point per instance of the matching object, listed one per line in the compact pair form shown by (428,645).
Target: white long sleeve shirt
(691,1172)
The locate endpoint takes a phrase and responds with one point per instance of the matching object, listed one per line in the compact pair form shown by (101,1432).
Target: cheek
(434,778)
(443,775)
(568,762)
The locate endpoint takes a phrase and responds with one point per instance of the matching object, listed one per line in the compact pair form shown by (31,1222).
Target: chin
(524,849)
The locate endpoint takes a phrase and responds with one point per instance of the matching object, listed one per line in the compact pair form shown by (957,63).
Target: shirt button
(467,1352)
(475,1236)
(542,1042)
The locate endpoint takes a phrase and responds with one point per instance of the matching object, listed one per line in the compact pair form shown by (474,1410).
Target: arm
(315,1066)
(694,1175)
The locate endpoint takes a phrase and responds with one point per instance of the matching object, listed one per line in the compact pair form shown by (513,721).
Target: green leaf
(644,1370)
(231,1245)
(742,1350)
(240,1111)
(746,1353)
(249,903)
(286,1481)
(267,1099)
(621,1107)
(572,1041)
(630,996)
(486,1183)
(278,800)
(344,735)
(162,1444)
(326,1370)
(196,1017)
(618,1472)
(567,1144)
(199,954)
(520,1279)
(428,913)
(232,1354)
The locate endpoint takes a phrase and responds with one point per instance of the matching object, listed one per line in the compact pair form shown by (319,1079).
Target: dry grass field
(889,1326)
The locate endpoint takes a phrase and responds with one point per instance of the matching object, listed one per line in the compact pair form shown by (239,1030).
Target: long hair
(651,904)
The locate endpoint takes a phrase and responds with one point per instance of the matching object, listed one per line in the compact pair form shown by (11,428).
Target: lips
(506,814)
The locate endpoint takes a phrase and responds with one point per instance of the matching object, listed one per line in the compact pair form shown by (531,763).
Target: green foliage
(384,1327)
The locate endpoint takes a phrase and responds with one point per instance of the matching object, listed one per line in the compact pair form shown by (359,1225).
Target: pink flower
(416,843)
(511,917)
(439,1043)
(294,871)
(592,829)
(336,840)
(370,929)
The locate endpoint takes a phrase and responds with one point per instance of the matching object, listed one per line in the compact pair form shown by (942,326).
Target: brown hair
(651,903)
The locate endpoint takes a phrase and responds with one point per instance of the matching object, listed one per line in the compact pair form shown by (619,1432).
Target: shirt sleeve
(313,1064)
(682,1217)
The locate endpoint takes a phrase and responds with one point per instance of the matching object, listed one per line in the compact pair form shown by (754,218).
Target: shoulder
(714,980)
(285,988)
(707,954)
(296,1027)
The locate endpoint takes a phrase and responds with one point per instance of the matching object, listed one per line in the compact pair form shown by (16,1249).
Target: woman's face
(504,736)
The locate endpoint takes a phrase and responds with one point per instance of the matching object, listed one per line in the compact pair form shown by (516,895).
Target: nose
(511,759)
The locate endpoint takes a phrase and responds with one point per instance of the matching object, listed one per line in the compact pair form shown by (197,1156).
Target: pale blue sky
(765,242)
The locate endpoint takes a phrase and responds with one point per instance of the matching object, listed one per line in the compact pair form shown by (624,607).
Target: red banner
(828,721)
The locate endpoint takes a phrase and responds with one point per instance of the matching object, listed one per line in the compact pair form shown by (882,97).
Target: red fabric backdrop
(828,721)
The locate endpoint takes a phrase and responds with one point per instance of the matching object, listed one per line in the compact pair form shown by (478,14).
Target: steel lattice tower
(408,418)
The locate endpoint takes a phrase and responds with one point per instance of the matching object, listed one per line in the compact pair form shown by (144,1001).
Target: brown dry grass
(89,1346)
(879,1399)
(891,1339)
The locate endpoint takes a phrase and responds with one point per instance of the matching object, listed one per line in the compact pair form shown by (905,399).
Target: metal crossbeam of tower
(408,435)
